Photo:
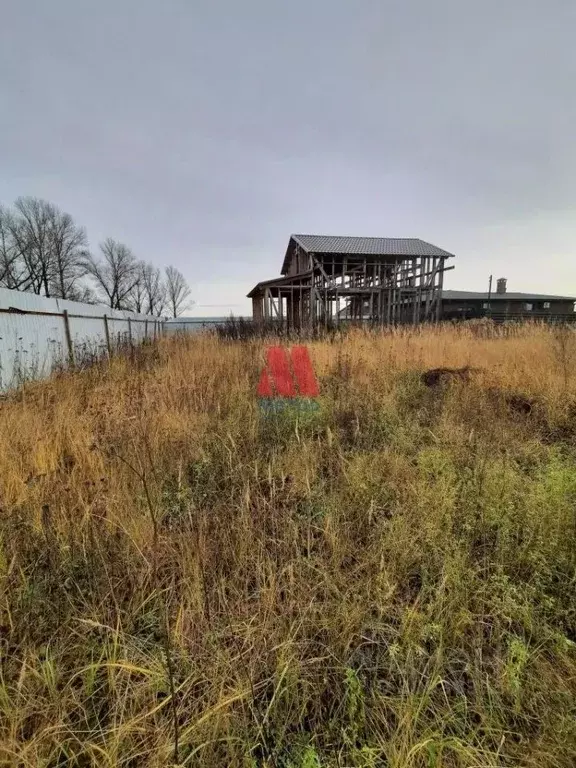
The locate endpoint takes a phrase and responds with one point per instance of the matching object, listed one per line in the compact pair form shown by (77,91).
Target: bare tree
(43,250)
(154,289)
(31,230)
(177,291)
(136,299)
(115,274)
(148,292)
(13,272)
(69,246)
(83,293)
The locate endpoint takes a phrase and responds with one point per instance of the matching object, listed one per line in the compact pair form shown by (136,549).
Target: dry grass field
(386,581)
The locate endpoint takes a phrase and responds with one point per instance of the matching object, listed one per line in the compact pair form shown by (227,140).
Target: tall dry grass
(387,581)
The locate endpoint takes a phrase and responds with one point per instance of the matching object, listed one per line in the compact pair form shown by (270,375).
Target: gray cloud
(203,133)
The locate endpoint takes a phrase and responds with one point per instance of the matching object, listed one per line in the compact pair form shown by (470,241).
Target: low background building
(503,305)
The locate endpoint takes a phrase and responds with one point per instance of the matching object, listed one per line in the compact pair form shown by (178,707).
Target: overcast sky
(202,133)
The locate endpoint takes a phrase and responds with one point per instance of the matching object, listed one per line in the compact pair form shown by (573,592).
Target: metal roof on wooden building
(408,247)
(369,246)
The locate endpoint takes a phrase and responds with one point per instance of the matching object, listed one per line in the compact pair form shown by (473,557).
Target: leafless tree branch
(115,274)
(155,290)
(178,292)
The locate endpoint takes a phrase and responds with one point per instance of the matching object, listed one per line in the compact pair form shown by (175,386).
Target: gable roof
(364,246)
(463,295)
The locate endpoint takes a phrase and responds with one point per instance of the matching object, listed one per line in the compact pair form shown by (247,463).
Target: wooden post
(422,288)
(414,294)
(439,291)
(107,335)
(145,329)
(71,358)
(257,310)
(267,307)
(364,280)
(428,290)
(325,302)
(130,332)
(381,299)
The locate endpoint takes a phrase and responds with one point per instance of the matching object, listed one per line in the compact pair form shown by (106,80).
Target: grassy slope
(389,581)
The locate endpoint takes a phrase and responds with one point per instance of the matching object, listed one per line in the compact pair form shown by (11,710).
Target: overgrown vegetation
(387,581)
(244,329)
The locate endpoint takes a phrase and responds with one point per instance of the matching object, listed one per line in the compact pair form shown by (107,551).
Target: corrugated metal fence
(38,334)
(193,324)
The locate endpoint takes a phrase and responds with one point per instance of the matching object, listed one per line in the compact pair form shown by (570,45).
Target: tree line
(44,251)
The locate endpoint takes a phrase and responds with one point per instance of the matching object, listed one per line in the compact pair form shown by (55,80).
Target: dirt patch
(438,377)
(517,403)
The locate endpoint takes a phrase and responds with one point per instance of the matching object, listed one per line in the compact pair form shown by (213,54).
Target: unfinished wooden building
(377,280)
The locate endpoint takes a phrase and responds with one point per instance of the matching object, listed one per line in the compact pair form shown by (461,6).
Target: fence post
(145,329)
(107,335)
(130,332)
(71,358)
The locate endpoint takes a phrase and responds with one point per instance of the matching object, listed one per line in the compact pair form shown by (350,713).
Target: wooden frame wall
(384,291)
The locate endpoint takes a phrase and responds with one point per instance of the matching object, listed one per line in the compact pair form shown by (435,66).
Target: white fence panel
(32,344)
